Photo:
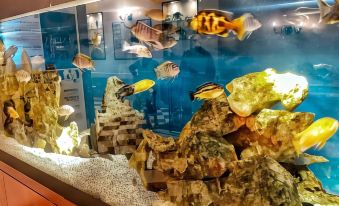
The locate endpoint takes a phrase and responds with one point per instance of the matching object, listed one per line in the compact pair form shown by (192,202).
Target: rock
(26,62)
(216,118)
(256,91)
(256,181)
(201,157)
(118,124)
(271,133)
(309,187)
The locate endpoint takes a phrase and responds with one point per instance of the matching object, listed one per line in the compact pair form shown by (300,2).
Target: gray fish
(10,52)
(328,14)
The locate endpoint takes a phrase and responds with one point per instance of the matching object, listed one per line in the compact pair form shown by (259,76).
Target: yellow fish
(220,23)
(208,90)
(12,113)
(135,88)
(316,134)
(143,85)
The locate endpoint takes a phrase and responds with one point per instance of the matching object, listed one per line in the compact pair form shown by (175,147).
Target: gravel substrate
(110,180)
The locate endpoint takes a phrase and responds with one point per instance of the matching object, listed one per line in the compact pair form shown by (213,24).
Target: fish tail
(245,25)
(191,95)
(324,8)
(125,46)
(157,73)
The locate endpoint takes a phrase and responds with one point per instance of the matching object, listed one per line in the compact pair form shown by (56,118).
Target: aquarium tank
(203,97)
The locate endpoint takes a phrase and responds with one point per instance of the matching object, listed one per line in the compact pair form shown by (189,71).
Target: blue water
(310,50)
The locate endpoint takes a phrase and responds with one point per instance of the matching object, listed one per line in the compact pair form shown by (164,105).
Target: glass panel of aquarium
(178,102)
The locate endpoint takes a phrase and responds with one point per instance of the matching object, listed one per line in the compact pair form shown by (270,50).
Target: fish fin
(157,73)
(228,15)
(81,69)
(191,95)
(245,25)
(125,46)
(321,145)
(324,8)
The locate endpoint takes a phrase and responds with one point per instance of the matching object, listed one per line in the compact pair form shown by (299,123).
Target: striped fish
(167,70)
(146,33)
(208,90)
(152,37)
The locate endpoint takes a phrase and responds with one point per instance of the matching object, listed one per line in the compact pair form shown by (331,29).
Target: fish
(316,135)
(12,113)
(155,14)
(83,61)
(328,14)
(66,111)
(22,76)
(96,39)
(167,70)
(166,28)
(10,52)
(131,89)
(220,23)
(208,90)
(139,50)
(152,37)
(145,33)
(37,62)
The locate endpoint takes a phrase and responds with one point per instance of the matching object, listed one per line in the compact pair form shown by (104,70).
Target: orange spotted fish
(220,23)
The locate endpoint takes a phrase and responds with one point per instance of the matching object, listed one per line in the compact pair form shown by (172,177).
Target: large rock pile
(227,156)
(36,100)
(118,124)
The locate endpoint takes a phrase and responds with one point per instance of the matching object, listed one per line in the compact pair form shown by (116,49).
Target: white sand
(109,180)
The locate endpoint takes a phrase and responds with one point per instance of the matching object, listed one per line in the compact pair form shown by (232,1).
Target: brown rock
(271,133)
